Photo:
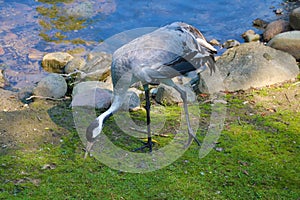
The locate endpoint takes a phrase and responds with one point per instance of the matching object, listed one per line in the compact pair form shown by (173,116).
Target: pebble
(250,36)
(260,23)
(230,43)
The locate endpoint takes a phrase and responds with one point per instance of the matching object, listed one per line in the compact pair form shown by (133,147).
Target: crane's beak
(88,148)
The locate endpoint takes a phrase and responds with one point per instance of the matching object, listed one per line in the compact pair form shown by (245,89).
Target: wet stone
(55,62)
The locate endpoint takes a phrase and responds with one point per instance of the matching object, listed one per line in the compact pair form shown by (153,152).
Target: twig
(296,83)
(49,98)
(76,71)
(141,131)
(287,98)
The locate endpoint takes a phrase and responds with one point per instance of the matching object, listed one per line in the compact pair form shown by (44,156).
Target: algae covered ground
(256,157)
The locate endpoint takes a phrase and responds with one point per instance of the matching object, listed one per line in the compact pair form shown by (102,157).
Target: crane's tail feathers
(205,44)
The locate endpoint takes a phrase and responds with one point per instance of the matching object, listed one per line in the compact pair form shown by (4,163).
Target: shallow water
(29,29)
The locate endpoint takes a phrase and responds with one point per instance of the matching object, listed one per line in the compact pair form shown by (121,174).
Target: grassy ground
(256,156)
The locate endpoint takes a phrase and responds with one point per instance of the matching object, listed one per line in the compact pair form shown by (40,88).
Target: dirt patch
(28,126)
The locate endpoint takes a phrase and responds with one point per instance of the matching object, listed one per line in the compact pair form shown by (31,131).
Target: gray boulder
(53,85)
(295,19)
(288,42)
(168,95)
(75,64)
(56,61)
(97,67)
(95,94)
(253,65)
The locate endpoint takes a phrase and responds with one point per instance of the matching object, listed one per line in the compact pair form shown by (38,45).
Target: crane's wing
(169,51)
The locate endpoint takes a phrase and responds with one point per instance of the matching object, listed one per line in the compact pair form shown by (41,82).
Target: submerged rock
(255,65)
(53,85)
(288,42)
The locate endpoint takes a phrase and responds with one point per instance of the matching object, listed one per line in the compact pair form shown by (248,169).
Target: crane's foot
(191,137)
(147,144)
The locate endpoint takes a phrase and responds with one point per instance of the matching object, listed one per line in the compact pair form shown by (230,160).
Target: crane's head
(92,131)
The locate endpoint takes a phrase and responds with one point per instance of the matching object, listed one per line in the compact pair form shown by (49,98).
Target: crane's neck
(100,121)
(118,100)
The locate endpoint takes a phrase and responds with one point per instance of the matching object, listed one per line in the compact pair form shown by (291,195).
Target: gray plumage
(157,57)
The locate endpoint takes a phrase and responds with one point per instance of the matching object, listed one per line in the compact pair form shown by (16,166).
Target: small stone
(260,23)
(230,43)
(278,11)
(215,42)
(2,80)
(219,149)
(2,52)
(35,54)
(250,36)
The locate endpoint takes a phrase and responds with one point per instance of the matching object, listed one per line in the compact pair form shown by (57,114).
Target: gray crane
(172,50)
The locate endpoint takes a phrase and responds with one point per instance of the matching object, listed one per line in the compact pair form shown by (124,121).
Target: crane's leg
(183,96)
(147,107)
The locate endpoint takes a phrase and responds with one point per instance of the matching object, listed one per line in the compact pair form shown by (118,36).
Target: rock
(2,80)
(275,28)
(132,101)
(168,95)
(295,19)
(95,94)
(81,10)
(250,36)
(53,85)
(260,23)
(90,94)
(55,62)
(230,43)
(279,11)
(25,93)
(76,63)
(98,66)
(288,42)
(255,65)
(215,42)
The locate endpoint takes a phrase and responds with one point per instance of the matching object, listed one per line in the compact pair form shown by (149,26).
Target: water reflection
(58,19)
(29,29)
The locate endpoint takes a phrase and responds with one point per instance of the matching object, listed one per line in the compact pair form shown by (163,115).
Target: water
(29,29)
